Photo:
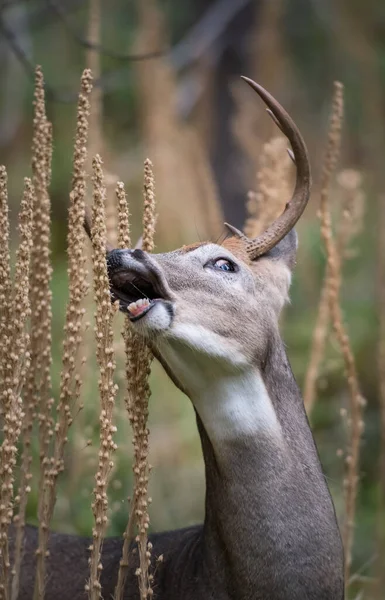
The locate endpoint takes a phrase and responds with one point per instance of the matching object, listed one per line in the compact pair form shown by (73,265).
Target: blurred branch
(205,33)
(14,43)
(62,15)
(37,14)
(204,39)
(12,75)
(16,46)
(9,4)
(197,42)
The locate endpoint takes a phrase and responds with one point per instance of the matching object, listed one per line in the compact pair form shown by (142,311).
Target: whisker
(196,229)
(139,290)
(223,234)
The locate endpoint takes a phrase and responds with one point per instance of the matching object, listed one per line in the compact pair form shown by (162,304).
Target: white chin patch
(156,320)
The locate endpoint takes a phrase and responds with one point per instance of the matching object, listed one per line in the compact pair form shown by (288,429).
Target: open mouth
(136,295)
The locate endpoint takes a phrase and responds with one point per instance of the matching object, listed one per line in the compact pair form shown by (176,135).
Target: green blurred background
(187,110)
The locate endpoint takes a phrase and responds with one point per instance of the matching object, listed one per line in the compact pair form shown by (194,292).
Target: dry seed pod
(107,389)
(14,373)
(138,361)
(70,379)
(334,285)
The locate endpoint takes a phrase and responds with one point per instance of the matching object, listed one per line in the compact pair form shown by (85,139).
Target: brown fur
(191,247)
(238,248)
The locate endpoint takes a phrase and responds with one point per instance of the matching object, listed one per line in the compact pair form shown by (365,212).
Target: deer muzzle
(137,282)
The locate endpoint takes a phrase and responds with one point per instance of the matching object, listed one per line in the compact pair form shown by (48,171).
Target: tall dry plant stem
(138,364)
(70,379)
(124,237)
(37,398)
(124,241)
(149,217)
(17,353)
(334,267)
(350,224)
(5,278)
(107,389)
(41,271)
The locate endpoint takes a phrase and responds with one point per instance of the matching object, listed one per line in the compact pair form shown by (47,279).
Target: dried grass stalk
(124,241)
(38,392)
(107,389)
(38,389)
(70,380)
(17,348)
(124,238)
(149,216)
(94,146)
(5,279)
(273,179)
(352,211)
(349,226)
(41,273)
(138,363)
(334,267)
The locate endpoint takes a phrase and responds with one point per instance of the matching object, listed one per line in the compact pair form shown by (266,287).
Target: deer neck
(270,523)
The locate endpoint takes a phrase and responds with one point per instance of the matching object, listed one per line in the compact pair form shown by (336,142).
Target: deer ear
(274,269)
(285,250)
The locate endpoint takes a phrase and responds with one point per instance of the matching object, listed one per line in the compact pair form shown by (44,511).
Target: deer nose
(138,254)
(117,258)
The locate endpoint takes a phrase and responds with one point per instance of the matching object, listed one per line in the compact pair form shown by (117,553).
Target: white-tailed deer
(210,314)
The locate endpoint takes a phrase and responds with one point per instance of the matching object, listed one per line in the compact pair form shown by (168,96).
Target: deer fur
(270,530)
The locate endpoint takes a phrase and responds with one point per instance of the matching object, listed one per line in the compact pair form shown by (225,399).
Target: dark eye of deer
(223,265)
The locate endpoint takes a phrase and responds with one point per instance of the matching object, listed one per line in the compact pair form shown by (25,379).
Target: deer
(210,314)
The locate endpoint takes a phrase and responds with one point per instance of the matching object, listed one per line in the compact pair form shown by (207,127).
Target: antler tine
(236,232)
(274,118)
(291,155)
(295,207)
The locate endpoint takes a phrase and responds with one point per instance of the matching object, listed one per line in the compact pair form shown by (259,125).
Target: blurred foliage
(322,40)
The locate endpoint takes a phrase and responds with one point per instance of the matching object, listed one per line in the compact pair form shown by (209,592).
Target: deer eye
(224,265)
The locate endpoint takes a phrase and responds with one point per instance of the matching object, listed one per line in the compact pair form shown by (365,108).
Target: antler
(295,207)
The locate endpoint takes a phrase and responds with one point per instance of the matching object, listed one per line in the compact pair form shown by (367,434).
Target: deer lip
(135,314)
(137,295)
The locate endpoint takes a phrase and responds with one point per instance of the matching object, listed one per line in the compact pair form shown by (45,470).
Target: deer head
(210,302)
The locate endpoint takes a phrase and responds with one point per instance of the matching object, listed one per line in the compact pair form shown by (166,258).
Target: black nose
(138,254)
(115,258)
